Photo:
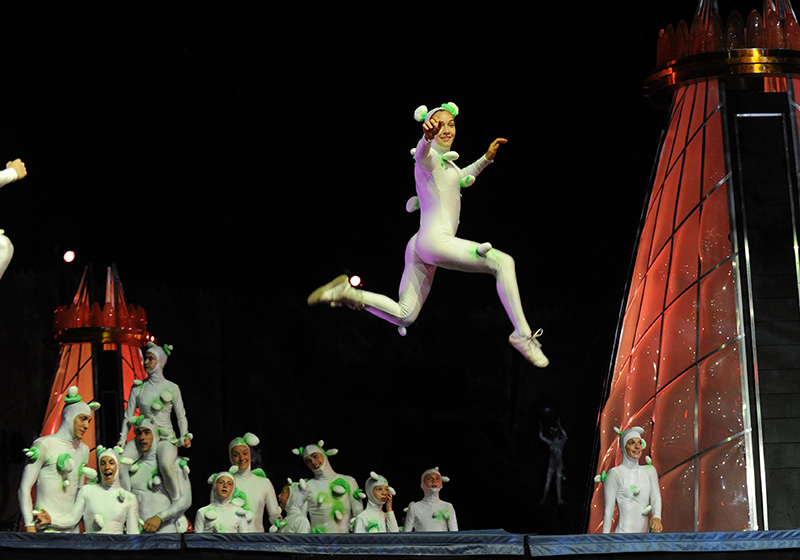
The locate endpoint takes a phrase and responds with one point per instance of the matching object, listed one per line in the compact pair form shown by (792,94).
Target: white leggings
(424,254)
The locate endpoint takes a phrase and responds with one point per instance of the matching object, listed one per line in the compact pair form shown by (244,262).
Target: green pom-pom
(259,473)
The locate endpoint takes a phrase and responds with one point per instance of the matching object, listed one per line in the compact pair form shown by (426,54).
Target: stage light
(355,281)
(69,256)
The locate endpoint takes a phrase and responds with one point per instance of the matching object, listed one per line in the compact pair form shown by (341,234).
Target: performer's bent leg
(467,256)
(6,252)
(415,285)
(166,454)
(414,288)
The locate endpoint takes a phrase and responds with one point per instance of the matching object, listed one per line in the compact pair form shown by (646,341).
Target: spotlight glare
(69,256)
(355,280)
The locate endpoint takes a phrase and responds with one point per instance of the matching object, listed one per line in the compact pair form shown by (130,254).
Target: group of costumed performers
(438,185)
(130,493)
(143,487)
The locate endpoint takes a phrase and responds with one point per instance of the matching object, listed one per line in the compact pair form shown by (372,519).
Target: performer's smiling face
(447,133)
(240,456)
(315,460)
(633,447)
(108,468)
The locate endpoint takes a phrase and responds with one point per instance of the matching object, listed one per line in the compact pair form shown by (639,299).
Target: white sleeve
(411,519)
(7,175)
(452,523)
(391,523)
(655,493)
(30,475)
(609,499)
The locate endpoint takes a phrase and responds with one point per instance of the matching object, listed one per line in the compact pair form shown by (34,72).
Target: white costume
(634,489)
(296,520)
(430,513)
(7,175)
(438,183)
(258,491)
(104,507)
(157,398)
(373,519)
(334,499)
(144,480)
(56,466)
(222,515)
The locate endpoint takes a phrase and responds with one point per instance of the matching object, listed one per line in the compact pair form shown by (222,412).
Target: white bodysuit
(55,469)
(296,520)
(157,398)
(105,508)
(373,519)
(438,181)
(259,495)
(332,497)
(634,489)
(222,515)
(153,497)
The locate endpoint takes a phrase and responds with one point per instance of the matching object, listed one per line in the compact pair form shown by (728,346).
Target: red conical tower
(100,353)
(706,356)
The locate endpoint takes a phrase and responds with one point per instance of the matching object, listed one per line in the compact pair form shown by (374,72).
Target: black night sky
(230,157)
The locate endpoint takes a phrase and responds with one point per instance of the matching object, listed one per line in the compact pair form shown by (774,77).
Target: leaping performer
(438,183)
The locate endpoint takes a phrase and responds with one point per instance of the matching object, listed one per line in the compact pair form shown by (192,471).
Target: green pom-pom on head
(451,108)
(72,395)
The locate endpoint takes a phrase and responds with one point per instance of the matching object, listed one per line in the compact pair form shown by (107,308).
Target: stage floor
(464,544)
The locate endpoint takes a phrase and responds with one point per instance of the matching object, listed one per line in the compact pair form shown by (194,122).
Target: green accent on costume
(69,399)
(34,452)
(243,495)
(337,505)
(259,472)
(343,483)
(450,109)
(373,527)
(62,461)
(318,530)
(442,515)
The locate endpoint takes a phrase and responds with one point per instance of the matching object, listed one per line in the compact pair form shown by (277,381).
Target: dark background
(230,157)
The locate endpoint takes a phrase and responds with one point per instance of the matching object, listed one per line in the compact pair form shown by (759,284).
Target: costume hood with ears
(376,480)
(161,353)
(304,452)
(234,499)
(422,114)
(296,504)
(624,436)
(116,453)
(73,407)
(428,490)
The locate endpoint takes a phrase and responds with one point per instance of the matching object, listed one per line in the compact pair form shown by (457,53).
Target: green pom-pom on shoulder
(259,473)
(32,453)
